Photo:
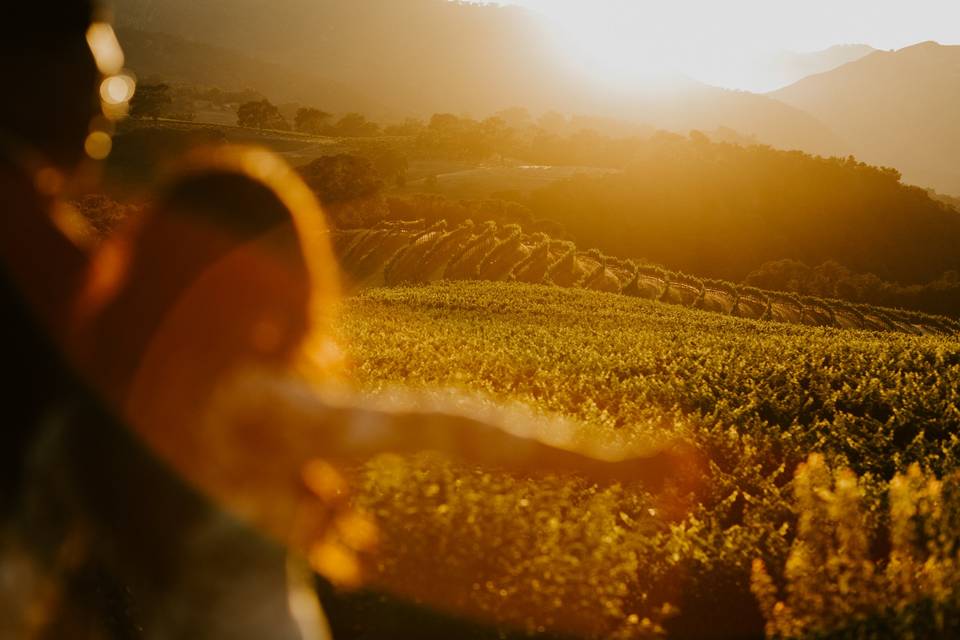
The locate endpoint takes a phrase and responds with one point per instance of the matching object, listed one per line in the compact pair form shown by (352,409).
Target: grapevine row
(394,253)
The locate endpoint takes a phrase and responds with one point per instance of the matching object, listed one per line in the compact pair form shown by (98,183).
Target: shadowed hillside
(383,47)
(894,108)
(174,59)
(722,210)
(769,121)
(494,58)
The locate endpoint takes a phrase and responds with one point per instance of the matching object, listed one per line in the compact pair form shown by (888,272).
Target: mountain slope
(771,70)
(168,58)
(789,67)
(722,211)
(770,121)
(894,108)
(420,57)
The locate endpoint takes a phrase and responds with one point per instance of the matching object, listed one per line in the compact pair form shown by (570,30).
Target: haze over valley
(892,108)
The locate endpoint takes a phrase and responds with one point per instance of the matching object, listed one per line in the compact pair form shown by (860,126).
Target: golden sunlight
(105,47)
(331,319)
(98,145)
(626,43)
(117,89)
(610,47)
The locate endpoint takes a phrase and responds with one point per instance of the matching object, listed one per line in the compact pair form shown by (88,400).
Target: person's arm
(278,454)
(349,429)
(514,441)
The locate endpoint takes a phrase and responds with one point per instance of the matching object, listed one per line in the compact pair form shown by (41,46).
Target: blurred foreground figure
(50,72)
(209,330)
(196,321)
(213,277)
(50,98)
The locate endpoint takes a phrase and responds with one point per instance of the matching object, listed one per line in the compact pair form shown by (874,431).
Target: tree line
(722,210)
(717,209)
(832,280)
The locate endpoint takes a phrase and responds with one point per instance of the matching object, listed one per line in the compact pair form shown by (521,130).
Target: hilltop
(494,58)
(893,108)
(788,67)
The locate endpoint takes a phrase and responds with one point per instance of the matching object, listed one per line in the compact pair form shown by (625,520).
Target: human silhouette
(50,74)
(204,353)
(50,97)
(126,466)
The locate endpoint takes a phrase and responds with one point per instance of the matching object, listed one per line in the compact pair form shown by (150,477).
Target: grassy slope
(754,397)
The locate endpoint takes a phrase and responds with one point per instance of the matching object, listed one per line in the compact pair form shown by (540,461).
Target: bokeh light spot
(336,563)
(98,145)
(105,48)
(117,89)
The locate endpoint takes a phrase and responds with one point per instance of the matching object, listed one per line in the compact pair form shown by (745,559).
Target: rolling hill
(170,58)
(755,398)
(893,108)
(768,121)
(764,71)
(494,58)
(492,55)
(752,205)
(788,67)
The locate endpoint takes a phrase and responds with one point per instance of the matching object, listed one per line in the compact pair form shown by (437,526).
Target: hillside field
(754,398)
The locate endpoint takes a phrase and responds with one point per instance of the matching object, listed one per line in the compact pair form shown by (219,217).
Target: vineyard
(395,253)
(755,399)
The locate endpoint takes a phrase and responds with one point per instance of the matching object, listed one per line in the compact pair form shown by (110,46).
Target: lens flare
(98,145)
(105,48)
(117,89)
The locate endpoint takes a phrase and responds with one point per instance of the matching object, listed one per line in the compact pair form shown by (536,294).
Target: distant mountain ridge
(764,71)
(416,56)
(893,108)
(789,67)
(492,58)
(170,58)
(393,59)
(769,121)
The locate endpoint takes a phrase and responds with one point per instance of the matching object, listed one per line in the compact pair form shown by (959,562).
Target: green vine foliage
(835,587)
(864,553)
(501,253)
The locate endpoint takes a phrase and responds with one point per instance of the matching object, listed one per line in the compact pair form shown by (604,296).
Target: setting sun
(620,49)
(480,319)
(623,42)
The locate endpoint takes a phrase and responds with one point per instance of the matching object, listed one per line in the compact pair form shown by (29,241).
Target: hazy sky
(708,39)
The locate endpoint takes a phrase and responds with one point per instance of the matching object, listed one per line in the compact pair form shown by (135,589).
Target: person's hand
(337,539)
